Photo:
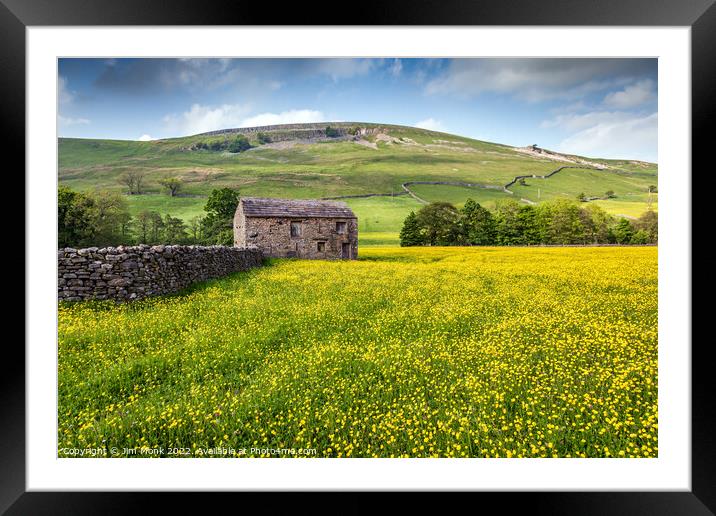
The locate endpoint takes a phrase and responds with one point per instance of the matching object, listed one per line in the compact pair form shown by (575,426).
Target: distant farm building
(288,228)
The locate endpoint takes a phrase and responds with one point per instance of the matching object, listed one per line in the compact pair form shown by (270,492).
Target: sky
(603,108)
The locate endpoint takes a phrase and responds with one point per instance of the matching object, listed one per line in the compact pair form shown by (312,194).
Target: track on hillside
(505,188)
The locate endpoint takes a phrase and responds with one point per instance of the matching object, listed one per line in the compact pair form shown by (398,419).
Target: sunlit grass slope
(301,169)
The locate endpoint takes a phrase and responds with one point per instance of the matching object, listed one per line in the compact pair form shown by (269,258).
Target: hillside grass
(412,352)
(382,214)
(184,208)
(334,168)
(457,195)
(632,207)
(593,183)
(375,238)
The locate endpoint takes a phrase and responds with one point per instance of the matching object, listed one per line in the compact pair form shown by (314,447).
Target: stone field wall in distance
(127,273)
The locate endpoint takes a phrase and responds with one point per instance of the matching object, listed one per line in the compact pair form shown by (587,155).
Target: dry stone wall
(133,272)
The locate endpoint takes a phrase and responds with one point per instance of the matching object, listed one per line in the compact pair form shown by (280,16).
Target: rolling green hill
(359,159)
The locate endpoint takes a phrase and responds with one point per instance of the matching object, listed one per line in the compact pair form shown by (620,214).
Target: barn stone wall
(272,235)
(126,273)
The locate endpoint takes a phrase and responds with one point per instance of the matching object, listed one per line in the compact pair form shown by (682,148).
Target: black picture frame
(700,15)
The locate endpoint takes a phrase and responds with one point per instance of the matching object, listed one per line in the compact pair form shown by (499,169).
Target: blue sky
(594,107)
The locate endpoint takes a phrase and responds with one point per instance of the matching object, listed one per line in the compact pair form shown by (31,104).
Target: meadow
(407,352)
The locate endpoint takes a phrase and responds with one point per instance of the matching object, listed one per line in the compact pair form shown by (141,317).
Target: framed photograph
(437,249)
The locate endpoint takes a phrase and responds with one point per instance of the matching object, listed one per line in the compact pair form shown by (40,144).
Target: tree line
(102,218)
(239,143)
(558,222)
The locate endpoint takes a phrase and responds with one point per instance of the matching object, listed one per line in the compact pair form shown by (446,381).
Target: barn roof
(263,207)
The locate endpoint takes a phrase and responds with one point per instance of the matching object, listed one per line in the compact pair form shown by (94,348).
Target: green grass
(382,214)
(628,208)
(457,195)
(329,169)
(629,187)
(378,239)
(411,352)
(593,183)
(181,207)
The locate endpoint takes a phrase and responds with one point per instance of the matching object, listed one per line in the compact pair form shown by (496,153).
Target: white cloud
(395,68)
(631,96)
(65,98)
(533,80)
(577,122)
(64,94)
(145,138)
(294,116)
(431,124)
(67,121)
(198,74)
(202,119)
(344,68)
(572,107)
(617,135)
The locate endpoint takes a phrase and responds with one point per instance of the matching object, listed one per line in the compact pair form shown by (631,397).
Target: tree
(527,226)
(222,202)
(649,223)
(507,224)
(543,221)
(217,145)
(75,218)
(172,184)
(640,237)
(652,189)
(156,227)
(217,225)
(216,232)
(111,218)
(133,180)
(623,231)
(609,194)
(174,230)
(92,219)
(440,223)
(588,228)
(478,224)
(581,197)
(410,233)
(143,223)
(331,132)
(263,138)
(598,230)
(240,144)
(194,227)
(565,226)
(139,181)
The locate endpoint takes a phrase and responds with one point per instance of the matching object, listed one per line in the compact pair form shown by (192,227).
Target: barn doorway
(346,250)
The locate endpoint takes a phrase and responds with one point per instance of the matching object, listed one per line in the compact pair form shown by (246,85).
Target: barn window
(321,247)
(341,227)
(295,229)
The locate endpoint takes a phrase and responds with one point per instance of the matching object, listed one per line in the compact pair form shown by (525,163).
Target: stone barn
(288,228)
